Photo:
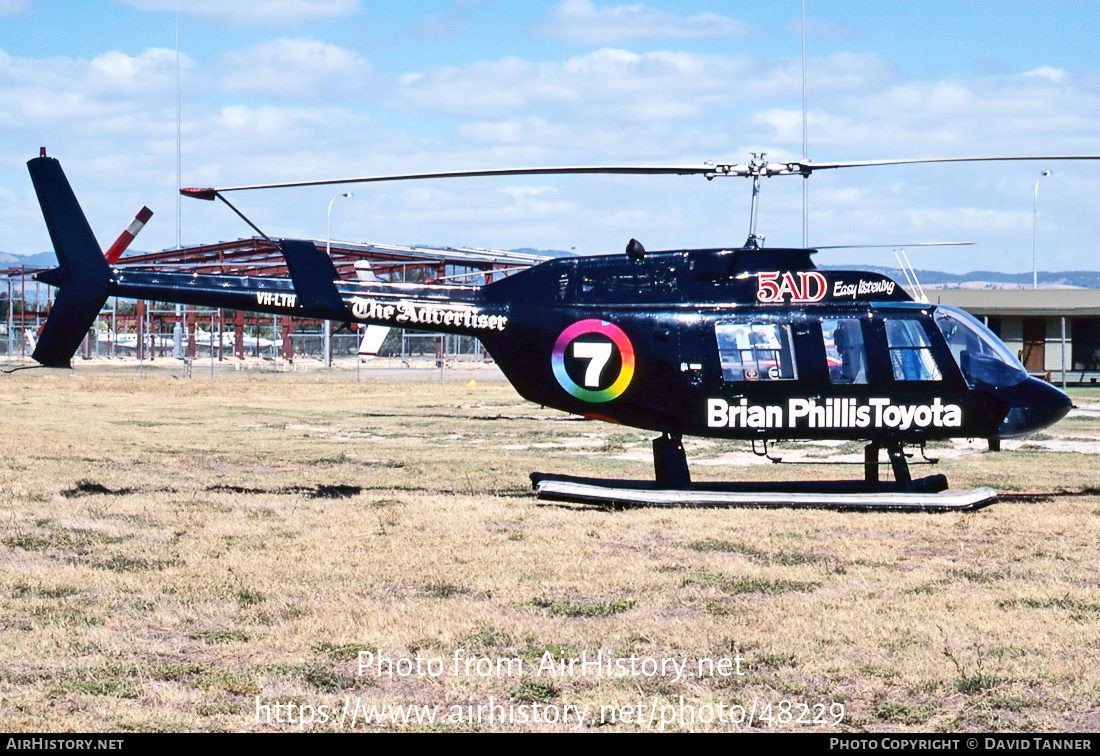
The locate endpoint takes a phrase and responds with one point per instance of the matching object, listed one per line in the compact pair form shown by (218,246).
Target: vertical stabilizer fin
(73,241)
(84,273)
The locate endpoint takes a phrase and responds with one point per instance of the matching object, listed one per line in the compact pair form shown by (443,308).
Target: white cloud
(614,100)
(604,84)
(12,7)
(1046,72)
(580,22)
(515,131)
(117,72)
(57,91)
(823,29)
(294,68)
(263,13)
(977,116)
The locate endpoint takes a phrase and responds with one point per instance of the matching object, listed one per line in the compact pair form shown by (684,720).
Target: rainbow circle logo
(598,357)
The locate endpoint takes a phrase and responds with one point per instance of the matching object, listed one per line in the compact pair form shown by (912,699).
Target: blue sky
(278,90)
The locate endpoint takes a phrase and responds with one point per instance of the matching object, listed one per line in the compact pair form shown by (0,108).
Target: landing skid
(673,488)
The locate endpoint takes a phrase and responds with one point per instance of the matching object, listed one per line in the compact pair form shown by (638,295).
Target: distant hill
(542,252)
(1080,279)
(39,260)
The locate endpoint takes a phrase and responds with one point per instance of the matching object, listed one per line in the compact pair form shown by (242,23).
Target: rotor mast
(756,169)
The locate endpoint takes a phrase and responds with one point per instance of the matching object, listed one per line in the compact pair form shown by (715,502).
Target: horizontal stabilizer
(314,276)
(372,340)
(364,273)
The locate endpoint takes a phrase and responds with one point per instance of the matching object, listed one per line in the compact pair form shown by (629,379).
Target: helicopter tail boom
(85,279)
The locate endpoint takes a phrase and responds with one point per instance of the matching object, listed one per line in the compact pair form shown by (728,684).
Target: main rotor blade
(706,169)
(809,165)
(890,246)
(755,167)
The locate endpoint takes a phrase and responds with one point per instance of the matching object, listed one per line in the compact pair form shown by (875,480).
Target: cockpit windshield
(983,359)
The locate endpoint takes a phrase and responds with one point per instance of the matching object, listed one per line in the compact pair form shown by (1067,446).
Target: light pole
(1035,234)
(327,327)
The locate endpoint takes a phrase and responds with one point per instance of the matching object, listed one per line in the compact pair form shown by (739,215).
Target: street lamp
(327,327)
(1035,234)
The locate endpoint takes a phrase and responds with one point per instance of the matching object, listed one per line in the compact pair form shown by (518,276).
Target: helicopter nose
(1034,405)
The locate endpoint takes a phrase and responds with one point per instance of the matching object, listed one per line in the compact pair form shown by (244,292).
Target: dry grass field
(249,553)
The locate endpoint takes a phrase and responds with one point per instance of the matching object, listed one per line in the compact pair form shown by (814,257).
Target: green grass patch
(120,563)
(442,589)
(249,596)
(58,591)
(1066,602)
(343,652)
(484,638)
(776,661)
(204,676)
(902,713)
(737,585)
(976,683)
(571,608)
(784,558)
(111,681)
(327,680)
(78,540)
(975,576)
(220,636)
(535,691)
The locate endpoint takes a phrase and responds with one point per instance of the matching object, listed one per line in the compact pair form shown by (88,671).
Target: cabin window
(980,355)
(1086,343)
(643,282)
(563,285)
(755,351)
(844,350)
(910,351)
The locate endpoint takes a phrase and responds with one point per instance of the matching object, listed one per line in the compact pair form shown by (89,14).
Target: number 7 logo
(599,354)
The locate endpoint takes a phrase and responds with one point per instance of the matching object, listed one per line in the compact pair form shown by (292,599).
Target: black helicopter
(739,343)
